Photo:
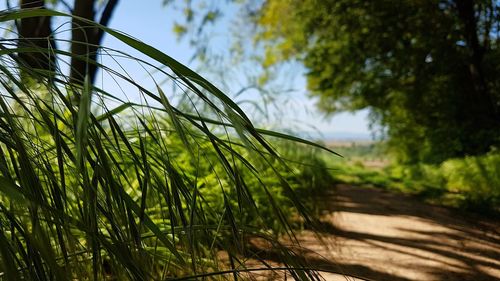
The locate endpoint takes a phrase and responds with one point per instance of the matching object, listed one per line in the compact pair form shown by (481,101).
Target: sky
(152,23)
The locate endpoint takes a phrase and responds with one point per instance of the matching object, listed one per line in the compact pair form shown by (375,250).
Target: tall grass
(94,187)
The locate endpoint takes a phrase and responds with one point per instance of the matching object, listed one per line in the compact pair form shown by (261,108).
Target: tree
(428,70)
(86,38)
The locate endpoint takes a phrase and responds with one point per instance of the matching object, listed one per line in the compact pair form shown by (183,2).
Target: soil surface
(379,235)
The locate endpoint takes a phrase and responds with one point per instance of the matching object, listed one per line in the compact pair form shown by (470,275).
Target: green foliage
(143,191)
(471,183)
(428,70)
(303,169)
(474,181)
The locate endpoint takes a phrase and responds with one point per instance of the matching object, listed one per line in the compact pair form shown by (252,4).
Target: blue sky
(152,23)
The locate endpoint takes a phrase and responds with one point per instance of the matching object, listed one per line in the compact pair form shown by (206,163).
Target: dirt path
(380,235)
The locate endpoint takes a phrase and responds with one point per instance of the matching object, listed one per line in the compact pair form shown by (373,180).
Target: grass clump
(97,187)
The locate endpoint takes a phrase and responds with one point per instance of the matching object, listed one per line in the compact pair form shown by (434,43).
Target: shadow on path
(379,235)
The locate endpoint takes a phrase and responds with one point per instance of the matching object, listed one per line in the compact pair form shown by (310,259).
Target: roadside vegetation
(471,183)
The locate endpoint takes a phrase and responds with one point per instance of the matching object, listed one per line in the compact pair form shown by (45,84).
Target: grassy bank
(470,183)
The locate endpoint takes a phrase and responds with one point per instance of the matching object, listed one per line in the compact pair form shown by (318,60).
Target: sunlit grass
(96,187)
(470,183)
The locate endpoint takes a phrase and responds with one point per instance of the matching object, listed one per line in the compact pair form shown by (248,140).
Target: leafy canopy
(428,70)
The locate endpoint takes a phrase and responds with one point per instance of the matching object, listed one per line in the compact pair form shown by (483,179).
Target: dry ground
(378,235)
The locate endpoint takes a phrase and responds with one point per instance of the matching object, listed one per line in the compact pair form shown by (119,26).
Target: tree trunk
(86,39)
(480,116)
(466,13)
(35,33)
(83,42)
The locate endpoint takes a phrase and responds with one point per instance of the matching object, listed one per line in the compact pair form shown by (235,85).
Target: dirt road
(380,235)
